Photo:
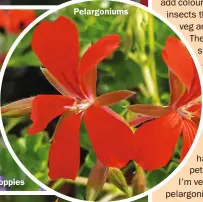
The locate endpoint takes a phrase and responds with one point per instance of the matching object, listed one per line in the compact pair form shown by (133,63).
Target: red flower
(155,140)
(2,58)
(57,46)
(15,21)
(2,19)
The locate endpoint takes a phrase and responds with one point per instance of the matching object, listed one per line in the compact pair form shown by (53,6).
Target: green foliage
(23,198)
(145,199)
(10,171)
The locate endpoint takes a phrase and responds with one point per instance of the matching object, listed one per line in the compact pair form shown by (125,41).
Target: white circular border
(165,181)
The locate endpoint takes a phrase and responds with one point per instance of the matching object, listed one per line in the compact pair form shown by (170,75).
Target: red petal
(113,97)
(155,141)
(2,19)
(57,46)
(179,60)
(97,52)
(88,84)
(189,132)
(196,112)
(196,117)
(18,20)
(93,56)
(64,154)
(54,82)
(45,108)
(196,107)
(110,136)
(192,94)
(3,56)
(176,88)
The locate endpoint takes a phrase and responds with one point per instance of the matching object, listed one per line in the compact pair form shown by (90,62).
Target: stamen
(68,107)
(183,110)
(79,106)
(194,102)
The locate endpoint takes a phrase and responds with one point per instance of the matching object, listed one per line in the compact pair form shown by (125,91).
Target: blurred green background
(137,65)
(28,198)
(39,199)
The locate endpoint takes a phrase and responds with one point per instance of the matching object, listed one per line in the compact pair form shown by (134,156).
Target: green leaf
(155,177)
(28,59)
(112,72)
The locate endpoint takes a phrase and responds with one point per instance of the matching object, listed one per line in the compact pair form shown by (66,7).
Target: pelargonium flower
(15,21)
(2,20)
(57,46)
(2,58)
(156,138)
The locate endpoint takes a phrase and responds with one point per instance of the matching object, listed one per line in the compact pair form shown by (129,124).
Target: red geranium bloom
(15,21)
(57,46)
(155,140)
(2,18)
(2,58)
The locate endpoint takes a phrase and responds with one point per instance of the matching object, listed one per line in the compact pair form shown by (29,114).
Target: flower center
(80,106)
(186,112)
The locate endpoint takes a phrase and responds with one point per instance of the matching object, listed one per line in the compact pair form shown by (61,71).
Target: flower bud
(18,108)
(116,177)
(128,40)
(96,181)
(140,29)
(142,57)
(139,181)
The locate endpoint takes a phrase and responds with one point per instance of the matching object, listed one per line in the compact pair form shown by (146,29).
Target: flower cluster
(155,140)
(15,21)
(151,145)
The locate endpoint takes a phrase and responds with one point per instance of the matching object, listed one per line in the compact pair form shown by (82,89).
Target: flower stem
(83,182)
(143,90)
(152,62)
(149,82)
(110,197)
